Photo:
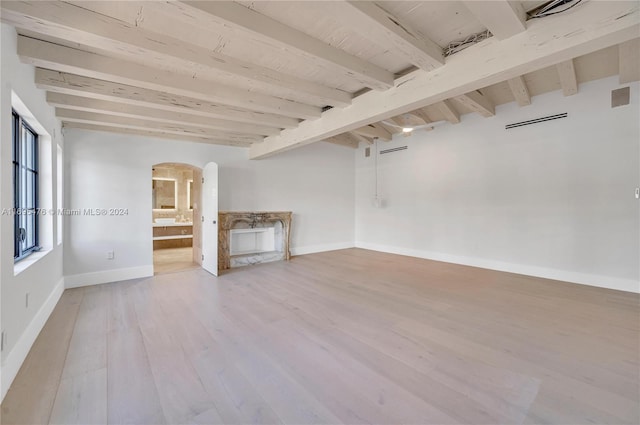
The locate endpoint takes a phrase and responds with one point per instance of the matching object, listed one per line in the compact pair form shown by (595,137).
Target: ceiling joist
(105,90)
(75,24)
(267,30)
(448,111)
(519,90)
(374,130)
(345,139)
(477,102)
(360,138)
(568,81)
(629,61)
(504,18)
(151,133)
(86,104)
(378,25)
(412,119)
(68,115)
(591,27)
(60,58)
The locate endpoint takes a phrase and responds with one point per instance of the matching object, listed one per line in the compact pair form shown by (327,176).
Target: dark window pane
(25,180)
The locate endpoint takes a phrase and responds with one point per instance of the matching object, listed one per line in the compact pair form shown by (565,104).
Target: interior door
(210,218)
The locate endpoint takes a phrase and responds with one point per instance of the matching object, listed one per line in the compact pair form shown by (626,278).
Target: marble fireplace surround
(228,220)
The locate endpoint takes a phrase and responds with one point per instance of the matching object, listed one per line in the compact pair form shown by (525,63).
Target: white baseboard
(18,354)
(310,249)
(628,285)
(106,276)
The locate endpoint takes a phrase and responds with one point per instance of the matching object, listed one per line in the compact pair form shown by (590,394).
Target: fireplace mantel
(229,220)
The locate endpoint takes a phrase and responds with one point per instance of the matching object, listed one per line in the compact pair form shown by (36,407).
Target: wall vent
(620,97)
(399,148)
(536,121)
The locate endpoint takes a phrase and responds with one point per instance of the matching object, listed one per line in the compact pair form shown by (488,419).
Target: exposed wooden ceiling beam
(75,24)
(89,87)
(418,117)
(86,104)
(267,30)
(568,81)
(448,111)
(629,61)
(361,138)
(344,139)
(593,26)
(374,130)
(477,102)
(59,58)
(68,115)
(519,90)
(378,25)
(151,133)
(504,18)
(412,119)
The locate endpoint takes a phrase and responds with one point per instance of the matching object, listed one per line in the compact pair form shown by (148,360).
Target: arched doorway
(176,209)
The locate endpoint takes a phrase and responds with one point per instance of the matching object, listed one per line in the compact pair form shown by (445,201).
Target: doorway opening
(177,231)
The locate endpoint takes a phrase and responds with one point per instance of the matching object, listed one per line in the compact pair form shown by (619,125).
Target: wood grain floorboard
(350,336)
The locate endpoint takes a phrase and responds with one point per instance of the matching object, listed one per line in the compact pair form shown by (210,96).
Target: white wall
(43,279)
(554,199)
(315,182)
(105,170)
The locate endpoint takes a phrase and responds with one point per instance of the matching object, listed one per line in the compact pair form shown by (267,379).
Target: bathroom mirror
(164,194)
(190,194)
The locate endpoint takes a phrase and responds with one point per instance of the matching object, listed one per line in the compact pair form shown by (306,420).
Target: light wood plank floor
(348,336)
(170,260)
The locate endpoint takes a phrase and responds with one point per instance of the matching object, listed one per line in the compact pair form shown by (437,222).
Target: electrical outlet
(110,255)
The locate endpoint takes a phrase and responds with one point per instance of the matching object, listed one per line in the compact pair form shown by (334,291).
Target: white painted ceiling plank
(381,27)
(591,27)
(78,25)
(629,61)
(519,90)
(267,30)
(60,58)
(89,87)
(78,103)
(150,133)
(568,81)
(504,18)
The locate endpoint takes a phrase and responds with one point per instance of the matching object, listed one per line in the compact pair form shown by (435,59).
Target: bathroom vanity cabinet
(172,235)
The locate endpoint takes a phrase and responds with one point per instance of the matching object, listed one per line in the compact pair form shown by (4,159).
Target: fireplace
(246,237)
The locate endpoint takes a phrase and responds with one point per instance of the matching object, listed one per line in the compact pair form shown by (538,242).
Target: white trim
(18,354)
(609,282)
(28,261)
(106,276)
(311,249)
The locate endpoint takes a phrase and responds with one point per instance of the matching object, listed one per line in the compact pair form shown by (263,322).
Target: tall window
(25,183)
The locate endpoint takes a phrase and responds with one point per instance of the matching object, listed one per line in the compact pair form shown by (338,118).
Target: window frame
(20,185)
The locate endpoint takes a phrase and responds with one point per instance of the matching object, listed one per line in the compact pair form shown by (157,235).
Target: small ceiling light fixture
(409,130)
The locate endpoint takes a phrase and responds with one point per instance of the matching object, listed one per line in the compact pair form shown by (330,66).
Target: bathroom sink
(165,220)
